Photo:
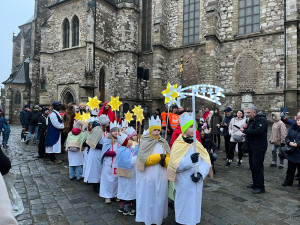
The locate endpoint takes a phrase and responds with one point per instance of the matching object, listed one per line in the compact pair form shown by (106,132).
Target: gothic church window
(146,25)
(75,31)
(66,33)
(18,98)
(248,16)
(191,18)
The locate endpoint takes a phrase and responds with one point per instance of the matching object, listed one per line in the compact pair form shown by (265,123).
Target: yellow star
(167,91)
(174,95)
(136,109)
(115,103)
(166,100)
(94,103)
(140,115)
(128,116)
(77,116)
(85,116)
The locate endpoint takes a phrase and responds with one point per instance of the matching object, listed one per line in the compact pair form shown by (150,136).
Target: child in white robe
(109,178)
(126,159)
(151,176)
(187,169)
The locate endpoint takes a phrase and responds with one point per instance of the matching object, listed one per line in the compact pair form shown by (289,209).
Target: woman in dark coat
(215,122)
(293,140)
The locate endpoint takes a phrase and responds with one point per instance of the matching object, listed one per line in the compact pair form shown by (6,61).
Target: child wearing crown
(187,169)
(94,144)
(151,176)
(126,159)
(109,178)
(130,131)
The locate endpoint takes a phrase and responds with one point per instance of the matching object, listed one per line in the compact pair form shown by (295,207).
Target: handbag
(237,138)
(245,147)
(289,149)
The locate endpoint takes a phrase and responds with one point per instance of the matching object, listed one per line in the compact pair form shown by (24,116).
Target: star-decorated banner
(115,103)
(94,103)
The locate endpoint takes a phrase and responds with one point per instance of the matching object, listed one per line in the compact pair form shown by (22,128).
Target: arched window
(18,98)
(75,31)
(102,85)
(66,33)
(146,25)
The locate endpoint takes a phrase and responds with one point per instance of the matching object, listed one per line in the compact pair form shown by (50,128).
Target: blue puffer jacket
(24,117)
(1,123)
(294,134)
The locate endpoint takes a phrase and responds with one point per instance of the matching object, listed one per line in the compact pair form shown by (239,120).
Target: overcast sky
(13,13)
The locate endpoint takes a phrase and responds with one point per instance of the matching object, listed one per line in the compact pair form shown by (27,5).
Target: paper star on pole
(94,103)
(170,98)
(115,103)
(77,116)
(136,109)
(180,96)
(128,116)
(85,116)
(140,115)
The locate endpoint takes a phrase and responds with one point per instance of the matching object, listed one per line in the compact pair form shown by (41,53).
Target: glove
(195,157)
(196,178)
(282,144)
(163,160)
(283,115)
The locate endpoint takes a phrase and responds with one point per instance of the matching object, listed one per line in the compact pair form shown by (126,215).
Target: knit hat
(122,139)
(56,103)
(45,109)
(185,121)
(130,131)
(154,124)
(26,106)
(36,107)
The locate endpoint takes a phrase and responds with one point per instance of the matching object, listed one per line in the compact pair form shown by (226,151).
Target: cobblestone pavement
(49,196)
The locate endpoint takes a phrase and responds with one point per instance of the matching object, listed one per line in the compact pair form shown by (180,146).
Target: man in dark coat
(225,126)
(256,131)
(24,121)
(42,132)
(33,119)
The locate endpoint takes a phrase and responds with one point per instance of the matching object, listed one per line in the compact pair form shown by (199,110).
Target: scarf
(146,148)
(179,149)
(94,137)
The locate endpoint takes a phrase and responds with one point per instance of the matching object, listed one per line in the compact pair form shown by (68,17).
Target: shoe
(56,161)
(107,201)
(285,183)
(27,142)
(121,207)
(22,140)
(252,186)
(258,191)
(129,210)
(245,155)
(228,163)
(72,178)
(81,178)
(273,165)
(280,167)
(238,164)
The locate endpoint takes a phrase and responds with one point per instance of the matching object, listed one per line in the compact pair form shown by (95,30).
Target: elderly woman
(293,140)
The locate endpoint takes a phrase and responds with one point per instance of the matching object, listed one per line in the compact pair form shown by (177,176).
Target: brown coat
(68,119)
(278,131)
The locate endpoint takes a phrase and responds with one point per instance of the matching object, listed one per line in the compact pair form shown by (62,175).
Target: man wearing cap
(53,136)
(33,119)
(42,132)
(24,121)
(225,125)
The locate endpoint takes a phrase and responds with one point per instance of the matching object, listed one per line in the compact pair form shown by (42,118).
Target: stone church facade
(82,48)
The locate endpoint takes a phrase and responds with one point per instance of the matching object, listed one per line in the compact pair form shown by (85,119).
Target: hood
(76,131)
(260,113)
(277,116)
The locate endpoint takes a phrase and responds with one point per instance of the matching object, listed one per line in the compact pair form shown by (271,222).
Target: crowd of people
(142,171)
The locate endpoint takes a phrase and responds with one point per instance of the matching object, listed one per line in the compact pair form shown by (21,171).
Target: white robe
(152,192)
(188,195)
(127,186)
(75,158)
(85,159)
(93,165)
(57,147)
(109,178)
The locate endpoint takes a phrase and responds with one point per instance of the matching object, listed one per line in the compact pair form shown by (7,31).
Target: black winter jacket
(5,164)
(33,118)
(257,132)
(42,123)
(294,135)
(24,117)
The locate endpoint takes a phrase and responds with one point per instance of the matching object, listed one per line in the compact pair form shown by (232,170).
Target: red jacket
(205,115)
(177,132)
